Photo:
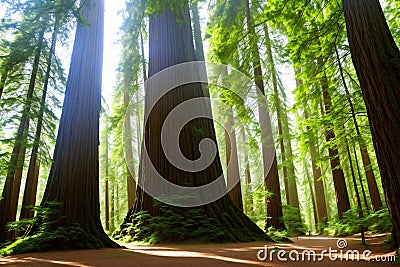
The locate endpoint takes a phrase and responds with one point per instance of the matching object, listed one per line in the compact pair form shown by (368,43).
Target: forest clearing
(234,132)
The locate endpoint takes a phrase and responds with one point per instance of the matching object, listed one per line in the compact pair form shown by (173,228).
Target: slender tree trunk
(232,162)
(342,196)
(74,175)
(376,59)
(112,212)
(292,195)
(30,190)
(7,214)
(130,165)
(371,180)
(248,205)
(310,187)
(357,194)
(271,176)
(322,212)
(107,178)
(3,80)
(360,180)
(198,42)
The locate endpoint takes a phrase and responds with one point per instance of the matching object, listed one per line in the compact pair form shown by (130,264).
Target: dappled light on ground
(236,254)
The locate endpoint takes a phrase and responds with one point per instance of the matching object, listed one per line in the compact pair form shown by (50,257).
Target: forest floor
(236,254)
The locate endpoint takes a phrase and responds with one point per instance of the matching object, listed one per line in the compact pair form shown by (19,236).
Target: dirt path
(239,254)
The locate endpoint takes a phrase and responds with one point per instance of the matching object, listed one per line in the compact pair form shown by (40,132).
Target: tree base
(201,224)
(61,238)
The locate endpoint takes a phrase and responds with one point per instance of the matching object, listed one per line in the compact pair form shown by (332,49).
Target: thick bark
(273,203)
(7,214)
(171,43)
(30,188)
(74,175)
(376,59)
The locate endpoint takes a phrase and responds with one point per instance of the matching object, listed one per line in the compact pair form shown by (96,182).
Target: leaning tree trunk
(171,43)
(274,212)
(376,59)
(74,175)
(369,173)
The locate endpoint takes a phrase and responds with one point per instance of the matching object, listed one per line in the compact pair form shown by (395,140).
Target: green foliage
(293,221)
(278,235)
(351,224)
(176,225)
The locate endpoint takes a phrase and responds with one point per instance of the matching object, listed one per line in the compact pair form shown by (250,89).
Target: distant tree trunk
(271,175)
(198,41)
(310,187)
(112,212)
(232,162)
(130,172)
(107,181)
(322,212)
(371,180)
(376,59)
(30,188)
(8,214)
(248,205)
(3,80)
(342,196)
(357,194)
(171,43)
(360,180)
(292,195)
(74,175)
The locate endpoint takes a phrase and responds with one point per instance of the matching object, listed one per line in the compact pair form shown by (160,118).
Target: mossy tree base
(207,223)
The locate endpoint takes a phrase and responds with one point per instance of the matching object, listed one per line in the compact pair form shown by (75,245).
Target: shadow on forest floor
(234,254)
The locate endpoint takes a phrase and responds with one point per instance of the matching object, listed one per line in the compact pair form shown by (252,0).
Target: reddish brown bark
(376,59)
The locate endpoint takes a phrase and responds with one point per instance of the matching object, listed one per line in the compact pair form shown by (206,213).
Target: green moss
(61,238)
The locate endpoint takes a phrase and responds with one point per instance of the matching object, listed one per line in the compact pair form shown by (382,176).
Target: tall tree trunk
(74,175)
(107,181)
(357,194)
(198,42)
(342,196)
(376,59)
(232,162)
(171,43)
(130,165)
(30,188)
(7,214)
(271,176)
(293,199)
(248,205)
(371,180)
(322,212)
(310,187)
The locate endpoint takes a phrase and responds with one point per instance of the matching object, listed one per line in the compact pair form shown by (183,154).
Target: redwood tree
(171,43)
(74,175)
(376,59)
